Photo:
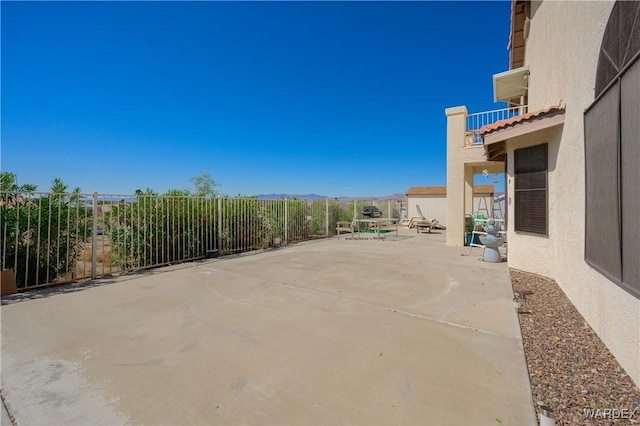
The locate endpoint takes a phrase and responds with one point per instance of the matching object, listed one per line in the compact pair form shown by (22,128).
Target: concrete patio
(335,331)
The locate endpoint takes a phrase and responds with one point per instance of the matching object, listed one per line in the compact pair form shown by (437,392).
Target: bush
(155,230)
(41,233)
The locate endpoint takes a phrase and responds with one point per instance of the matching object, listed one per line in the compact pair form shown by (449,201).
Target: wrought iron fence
(50,238)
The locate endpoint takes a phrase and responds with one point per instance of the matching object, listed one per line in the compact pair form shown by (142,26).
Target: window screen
(612,202)
(602,240)
(530,171)
(630,177)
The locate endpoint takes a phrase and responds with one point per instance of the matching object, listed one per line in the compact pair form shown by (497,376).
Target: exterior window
(612,154)
(612,199)
(530,173)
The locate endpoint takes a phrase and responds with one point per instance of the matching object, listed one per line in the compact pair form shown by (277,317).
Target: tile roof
(530,116)
(483,189)
(427,190)
(442,190)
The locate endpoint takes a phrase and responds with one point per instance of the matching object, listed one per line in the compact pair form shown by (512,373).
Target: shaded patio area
(335,331)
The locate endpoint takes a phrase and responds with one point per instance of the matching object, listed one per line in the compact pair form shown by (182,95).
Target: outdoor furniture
(345,226)
(379,223)
(422,222)
(426,224)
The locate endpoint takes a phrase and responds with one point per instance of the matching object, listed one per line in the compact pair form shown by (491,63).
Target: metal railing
(52,238)
(480,119)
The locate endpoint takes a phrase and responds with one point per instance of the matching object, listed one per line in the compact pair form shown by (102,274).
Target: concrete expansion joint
(290,285)
(6,411)
(453,324)
(264,280)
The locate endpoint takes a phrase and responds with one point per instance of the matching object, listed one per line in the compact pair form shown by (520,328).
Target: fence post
(286,221)
(219,233)
(94,236)
(326,215)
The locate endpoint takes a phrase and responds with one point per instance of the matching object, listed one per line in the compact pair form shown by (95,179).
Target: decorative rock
(570,369)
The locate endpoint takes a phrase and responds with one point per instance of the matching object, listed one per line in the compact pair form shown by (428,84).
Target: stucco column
(468,190)
(456,175)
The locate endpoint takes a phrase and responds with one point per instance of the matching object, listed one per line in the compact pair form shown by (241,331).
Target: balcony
(476,121)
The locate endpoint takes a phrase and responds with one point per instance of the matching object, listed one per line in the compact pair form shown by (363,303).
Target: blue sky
(332,98)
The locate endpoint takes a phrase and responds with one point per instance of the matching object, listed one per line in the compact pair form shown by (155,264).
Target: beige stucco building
(433,201)
(570,147)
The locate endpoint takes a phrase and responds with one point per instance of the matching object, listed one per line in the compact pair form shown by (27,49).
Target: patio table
(377,223)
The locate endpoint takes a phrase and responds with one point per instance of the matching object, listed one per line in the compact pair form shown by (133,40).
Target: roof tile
(427,190)
(530,116)
(442,190)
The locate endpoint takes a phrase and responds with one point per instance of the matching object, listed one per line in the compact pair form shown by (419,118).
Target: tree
(177,192)
(148,191)
(204,185)
(58,186)
(9,182)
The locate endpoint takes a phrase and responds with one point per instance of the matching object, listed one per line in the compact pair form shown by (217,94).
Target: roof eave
(496,140)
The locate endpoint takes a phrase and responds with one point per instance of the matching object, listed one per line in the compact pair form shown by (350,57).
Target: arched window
(621,42)
(612,153)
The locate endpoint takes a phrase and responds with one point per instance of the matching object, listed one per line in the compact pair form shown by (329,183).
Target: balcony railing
(480,119)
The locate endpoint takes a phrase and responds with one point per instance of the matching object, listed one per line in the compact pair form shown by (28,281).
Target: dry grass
(103,255)
(104,260)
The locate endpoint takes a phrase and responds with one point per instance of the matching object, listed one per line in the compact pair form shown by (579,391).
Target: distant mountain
(312,197)
(396,196)
(290,196)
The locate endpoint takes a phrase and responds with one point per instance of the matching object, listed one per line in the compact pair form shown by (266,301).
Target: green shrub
(41,233)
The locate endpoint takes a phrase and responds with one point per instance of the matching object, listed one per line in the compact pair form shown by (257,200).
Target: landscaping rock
(570,368)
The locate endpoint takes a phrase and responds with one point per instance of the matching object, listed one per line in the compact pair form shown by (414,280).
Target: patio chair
(422,222)
(346,226)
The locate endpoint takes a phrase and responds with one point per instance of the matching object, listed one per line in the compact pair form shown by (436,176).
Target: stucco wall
(562,55)
(462,163)
(432,207)
(435,206)
(531,252)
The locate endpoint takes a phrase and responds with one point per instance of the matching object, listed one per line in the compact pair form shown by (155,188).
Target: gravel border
(570,368)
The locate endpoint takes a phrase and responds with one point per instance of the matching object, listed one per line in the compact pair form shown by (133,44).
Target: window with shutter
(530,172)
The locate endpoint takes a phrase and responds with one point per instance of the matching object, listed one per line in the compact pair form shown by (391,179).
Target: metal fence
(476,121)
(51,238)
